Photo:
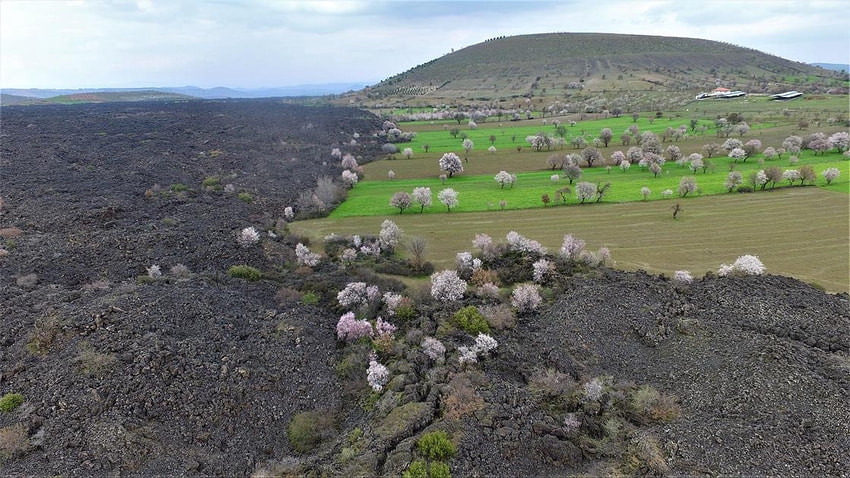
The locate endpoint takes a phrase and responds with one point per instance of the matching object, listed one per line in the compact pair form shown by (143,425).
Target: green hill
(565,64)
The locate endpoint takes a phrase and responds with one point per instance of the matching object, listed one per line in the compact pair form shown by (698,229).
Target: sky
(268,43)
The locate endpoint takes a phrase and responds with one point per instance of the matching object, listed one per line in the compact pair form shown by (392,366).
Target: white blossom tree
(448,197)
(390,235)
(585,191)
(830,174)
(467,147)
(687,184)
(401,200)
(422,196)
(503,178)
(447,286)
(451,163)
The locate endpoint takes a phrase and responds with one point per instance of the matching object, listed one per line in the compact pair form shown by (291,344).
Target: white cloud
(270,43)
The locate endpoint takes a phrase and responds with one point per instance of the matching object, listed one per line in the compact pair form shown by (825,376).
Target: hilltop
(564,65)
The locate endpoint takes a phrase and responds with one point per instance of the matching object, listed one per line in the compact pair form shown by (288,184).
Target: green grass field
(800,232)
(478,191)
(797,231)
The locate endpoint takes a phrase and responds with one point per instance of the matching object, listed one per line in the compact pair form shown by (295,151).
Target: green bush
(439,470)
(471,320)
(417,469)
(436,445)
(307,429)
(11,401)
(310,298)
(179,187)
(211,181)
(245,272)
(245,197)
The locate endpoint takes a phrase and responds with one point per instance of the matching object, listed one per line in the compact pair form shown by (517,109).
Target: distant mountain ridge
(15,95)
(845,67)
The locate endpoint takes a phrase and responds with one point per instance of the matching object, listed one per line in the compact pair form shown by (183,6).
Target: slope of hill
(561,64)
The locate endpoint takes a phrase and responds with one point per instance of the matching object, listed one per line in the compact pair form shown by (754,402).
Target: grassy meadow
(800,232)
(797,231)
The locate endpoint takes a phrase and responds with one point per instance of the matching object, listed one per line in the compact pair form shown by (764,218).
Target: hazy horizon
(258,44)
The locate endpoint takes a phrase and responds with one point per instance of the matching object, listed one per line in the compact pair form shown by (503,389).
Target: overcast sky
(257,43)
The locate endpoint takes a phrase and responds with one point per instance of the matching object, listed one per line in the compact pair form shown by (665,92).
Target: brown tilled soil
(199,373)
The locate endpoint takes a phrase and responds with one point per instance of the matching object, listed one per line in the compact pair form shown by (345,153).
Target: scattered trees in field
(590,156)
(503,178)
(711,149)
(840,141)
(407,153)
(467,147)
(737,154)
(572,171)
(687,185)
(830,174)
(645,192)
(606,136)
(448,197)
(585,191)
(422,196)
(401,200)
(451,163)
(733,180)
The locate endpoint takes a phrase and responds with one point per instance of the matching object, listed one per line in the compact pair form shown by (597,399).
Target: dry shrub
(649,405)
(14,441)
(644,456)
(287,295)
(93,363)
(483,276)
(462,398)
(499,317)
(44,335)
(10,232)
(552,383)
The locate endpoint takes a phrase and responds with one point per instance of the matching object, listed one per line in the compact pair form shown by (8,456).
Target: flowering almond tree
(451,163)
(503,177)
(448,197)
(447,286)
(422,196)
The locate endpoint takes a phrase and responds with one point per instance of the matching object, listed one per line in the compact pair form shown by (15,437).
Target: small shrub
(45,334)
(246,198)
(13,441)
(95,364)
(461,398)
(179,188)
(745,189)
(471,320)
(649,405)
(417,469)
(307,429)
(212,182)
(310,298)
(499,317)
(439,469)
(287,295)
(11,401)
(245,272)
(436,445)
